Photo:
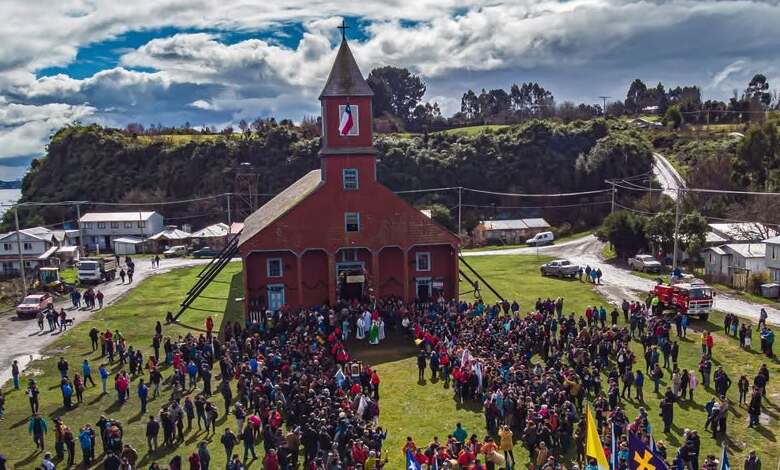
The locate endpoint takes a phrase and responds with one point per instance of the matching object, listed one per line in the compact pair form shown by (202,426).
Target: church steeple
(345,78)
(347,127)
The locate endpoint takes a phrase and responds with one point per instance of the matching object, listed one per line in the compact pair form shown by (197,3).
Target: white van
(541,238)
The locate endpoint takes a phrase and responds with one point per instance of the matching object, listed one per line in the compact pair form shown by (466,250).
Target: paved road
(667,176)
(619,282)
(22,340)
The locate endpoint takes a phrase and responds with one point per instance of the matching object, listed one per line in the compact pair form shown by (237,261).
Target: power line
(581,193)
(538,207)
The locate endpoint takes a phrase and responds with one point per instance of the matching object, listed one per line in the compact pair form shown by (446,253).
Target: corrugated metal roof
(48,253)
(129,240)
(536,223)
(515,224)
(747,250)
(212,231)
(171,234)
(280,204)
(345,78)
(116,216)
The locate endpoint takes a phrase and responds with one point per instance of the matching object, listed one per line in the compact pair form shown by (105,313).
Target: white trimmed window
(424,261)
(352,222)
(101,225)
(349,176)
(7,246)
(274,267)
(141,224)
(128,225)
(27,246)
(114,224)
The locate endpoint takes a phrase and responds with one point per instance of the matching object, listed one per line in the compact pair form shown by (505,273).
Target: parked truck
(692,298)
(98,269)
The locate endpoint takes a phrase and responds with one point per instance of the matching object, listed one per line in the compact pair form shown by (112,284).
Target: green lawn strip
(134,316)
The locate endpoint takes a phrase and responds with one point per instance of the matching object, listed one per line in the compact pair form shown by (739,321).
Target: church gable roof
(345,78)
(280,205)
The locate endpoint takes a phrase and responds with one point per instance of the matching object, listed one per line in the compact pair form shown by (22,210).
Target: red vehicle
(692,298)
(34,303)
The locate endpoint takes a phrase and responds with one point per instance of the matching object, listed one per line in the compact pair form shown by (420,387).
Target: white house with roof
(37,243)
(214,236)
(508,231)
(733,262)
(100,229)
(773,258)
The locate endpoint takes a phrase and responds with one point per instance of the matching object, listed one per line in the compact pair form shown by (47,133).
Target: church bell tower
(347,123)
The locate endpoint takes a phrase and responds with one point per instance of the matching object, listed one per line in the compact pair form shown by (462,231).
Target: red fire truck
(693,298)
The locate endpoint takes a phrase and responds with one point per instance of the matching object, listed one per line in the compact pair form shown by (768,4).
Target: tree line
(103,164)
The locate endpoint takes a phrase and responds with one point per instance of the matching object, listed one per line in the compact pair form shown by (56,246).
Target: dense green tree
(660,229)
(625,231)
(674,117)
(635,96)
(396,90)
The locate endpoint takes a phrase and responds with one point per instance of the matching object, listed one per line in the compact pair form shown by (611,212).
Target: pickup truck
(560,268)
(33,304)
(644,263)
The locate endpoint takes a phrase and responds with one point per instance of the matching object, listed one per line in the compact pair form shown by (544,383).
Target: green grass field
(474,130)
(407,407)
(134,316)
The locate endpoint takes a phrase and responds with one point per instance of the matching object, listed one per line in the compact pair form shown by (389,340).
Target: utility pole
(676,228)
(229,217)
(460,198)
(19,249)
(604,99)
(614,190)
(81,235)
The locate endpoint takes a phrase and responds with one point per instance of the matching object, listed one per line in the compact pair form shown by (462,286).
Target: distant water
(8,196)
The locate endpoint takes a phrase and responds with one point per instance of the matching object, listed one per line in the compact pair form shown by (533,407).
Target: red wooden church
(337,233)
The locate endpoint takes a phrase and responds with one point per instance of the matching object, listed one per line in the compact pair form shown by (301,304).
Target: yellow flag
(593,447)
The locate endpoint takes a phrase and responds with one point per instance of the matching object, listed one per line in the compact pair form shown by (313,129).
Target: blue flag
(724,460)
(411,462)
(641,457)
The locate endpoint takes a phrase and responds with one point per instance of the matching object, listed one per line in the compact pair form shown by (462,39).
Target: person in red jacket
(375,384)
(271,460)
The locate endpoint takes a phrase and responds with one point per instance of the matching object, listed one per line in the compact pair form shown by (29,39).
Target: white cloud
(25,129)
(578,48)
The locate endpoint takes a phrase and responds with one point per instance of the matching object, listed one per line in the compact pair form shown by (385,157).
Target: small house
(168,237)
(214,236)
(508,231)
(773,258)
(733,263)
(129,245)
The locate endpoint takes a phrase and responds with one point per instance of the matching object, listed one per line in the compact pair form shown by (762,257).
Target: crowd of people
(288,382)
(532,374)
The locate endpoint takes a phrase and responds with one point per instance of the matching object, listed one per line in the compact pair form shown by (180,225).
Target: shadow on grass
(29,459)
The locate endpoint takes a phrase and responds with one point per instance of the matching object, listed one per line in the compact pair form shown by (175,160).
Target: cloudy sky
(217,61)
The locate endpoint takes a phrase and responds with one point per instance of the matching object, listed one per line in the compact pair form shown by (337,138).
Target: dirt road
(620,283)
(21,340)
(667,176)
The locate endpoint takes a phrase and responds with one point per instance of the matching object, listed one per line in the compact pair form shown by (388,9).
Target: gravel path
(23,341)
(620,283)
